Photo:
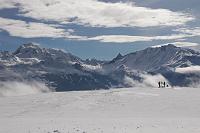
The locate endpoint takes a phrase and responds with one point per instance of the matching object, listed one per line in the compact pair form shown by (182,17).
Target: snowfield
(126,110)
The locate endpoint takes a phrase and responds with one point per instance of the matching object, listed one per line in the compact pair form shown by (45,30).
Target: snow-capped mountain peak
(29,50)
(152,59)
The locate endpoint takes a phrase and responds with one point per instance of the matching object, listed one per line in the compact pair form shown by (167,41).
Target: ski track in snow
(127,110)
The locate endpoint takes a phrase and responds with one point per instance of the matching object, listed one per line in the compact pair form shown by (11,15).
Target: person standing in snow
(164,84)
(159,84)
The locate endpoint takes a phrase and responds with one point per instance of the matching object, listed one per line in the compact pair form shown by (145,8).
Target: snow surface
(126,110)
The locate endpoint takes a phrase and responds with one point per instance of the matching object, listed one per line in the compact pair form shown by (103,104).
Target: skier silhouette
(159,84)
(164,84)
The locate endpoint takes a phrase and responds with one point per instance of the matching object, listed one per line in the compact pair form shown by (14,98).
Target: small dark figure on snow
(159,84)
(164,84)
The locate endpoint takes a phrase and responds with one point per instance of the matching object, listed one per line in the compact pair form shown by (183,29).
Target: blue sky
(99,29)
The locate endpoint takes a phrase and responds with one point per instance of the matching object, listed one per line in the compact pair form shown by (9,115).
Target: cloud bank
(23,29)
(191,69)
(14,88)
(191,31)
(148,81)
(96,13)
(129,38)
(89,13)
(92,13)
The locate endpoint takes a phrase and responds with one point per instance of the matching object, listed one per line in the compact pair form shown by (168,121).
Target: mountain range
(62,71)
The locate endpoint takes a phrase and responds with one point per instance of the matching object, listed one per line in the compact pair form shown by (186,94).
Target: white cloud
(88,13)
(147,81)
(6,4)
(191,69)
(33,30)
(120,38)
(96,13)
(152,80)
(191,31)
(14,88)
(128,38)
(185,44)
(23,29)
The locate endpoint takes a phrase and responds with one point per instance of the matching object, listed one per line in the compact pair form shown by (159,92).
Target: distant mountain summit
(29,50)
(63,71)
(118,57)
(153,59)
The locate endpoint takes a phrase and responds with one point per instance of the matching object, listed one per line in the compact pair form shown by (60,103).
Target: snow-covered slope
(133,110)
